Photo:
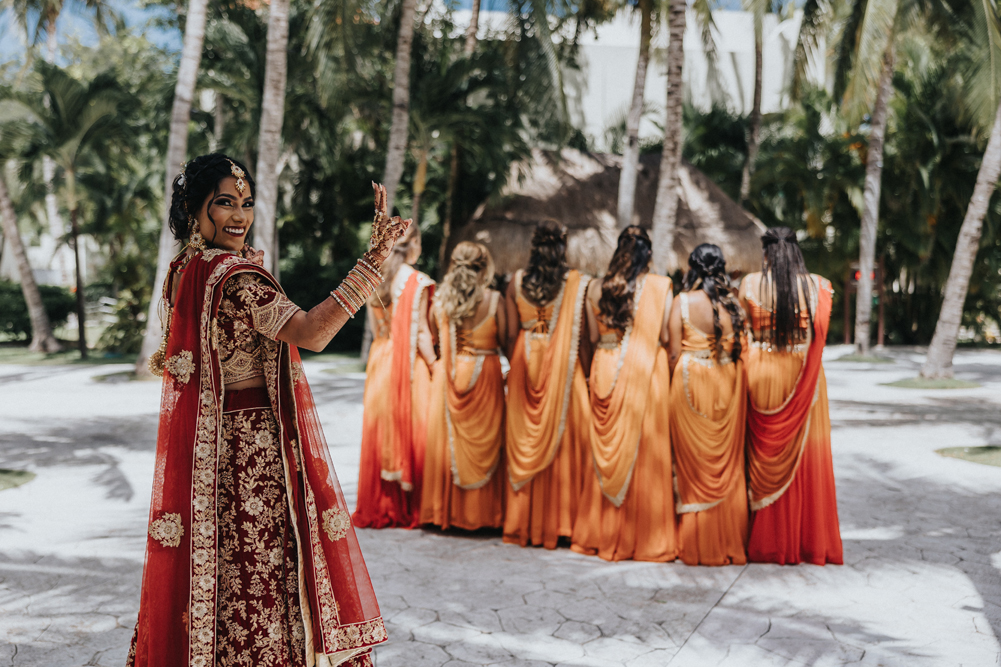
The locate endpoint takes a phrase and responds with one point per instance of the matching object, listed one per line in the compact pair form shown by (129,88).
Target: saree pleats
(790,469)
(547,421)
(626,508)
(463,468)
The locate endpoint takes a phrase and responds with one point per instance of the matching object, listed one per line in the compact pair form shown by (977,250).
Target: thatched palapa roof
(581,191)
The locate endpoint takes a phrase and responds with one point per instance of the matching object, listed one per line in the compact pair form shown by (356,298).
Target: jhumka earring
(241,184)
(195,239)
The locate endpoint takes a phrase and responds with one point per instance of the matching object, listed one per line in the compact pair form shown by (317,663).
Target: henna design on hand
(386,230)
(255,256)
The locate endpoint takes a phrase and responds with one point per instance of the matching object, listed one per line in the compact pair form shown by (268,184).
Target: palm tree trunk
(870,211)
(631,154)
(666,209)
(400,127)
(755,130)
(48,166)
(218,121)
(474,26)
(943,343)
(177,149)
(269,145)
(420,182)
(42,339)
(80,312)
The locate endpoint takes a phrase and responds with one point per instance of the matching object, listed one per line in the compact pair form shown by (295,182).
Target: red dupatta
(177,615)
(398,460)
(775,438)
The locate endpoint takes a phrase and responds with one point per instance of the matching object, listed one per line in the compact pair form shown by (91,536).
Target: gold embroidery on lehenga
(167,530)
(181,366)
(336,523)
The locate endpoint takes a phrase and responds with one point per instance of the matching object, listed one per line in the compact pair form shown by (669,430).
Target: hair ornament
(241,184)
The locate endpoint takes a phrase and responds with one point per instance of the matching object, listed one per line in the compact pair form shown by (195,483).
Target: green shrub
(14,321)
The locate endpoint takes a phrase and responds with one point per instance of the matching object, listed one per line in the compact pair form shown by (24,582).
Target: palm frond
(875,34)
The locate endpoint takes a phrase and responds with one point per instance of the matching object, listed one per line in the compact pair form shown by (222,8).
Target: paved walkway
(921,584)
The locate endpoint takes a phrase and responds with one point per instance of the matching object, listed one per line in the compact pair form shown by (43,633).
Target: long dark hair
(782,260)
(707,268)
(547,265)
(630,261)
(198,181)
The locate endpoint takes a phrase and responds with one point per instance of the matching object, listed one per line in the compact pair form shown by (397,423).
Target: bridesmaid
(790,473)
(394,425)
(708,422)
(463,468)
(547,403)
(626,509)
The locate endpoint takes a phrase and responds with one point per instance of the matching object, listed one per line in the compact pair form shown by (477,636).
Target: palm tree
(61,123)
(983,83)
(631,153)
(269,149)
(42,339)
(177,148)
(758,9)
(396,152)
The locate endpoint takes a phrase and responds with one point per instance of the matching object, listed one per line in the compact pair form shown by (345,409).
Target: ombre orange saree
(389,480)
(626,508)
(179,620)
(789,468)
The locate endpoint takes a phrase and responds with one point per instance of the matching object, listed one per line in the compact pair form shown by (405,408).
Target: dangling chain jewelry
(358,286)
(241,184)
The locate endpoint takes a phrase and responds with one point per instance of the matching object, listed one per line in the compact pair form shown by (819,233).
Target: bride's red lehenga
(251,558)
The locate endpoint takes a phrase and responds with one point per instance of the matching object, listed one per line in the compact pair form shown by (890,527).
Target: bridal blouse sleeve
(253,303)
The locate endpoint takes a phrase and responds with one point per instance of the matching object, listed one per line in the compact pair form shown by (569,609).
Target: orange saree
(790,472)
(626,507)
(547,418)
(463,467)
(389,480)
(707,438)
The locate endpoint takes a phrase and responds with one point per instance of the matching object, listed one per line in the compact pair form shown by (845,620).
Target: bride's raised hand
(386,230)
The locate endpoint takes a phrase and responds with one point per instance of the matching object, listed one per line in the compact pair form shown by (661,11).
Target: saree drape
(547,419)
(790,473)
(389,480)
(177,623)
(707,439)
(626,508)
(463,468)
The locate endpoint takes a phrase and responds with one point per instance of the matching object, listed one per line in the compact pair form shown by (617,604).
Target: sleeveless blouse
(481,340)
(249,309)
(699,345)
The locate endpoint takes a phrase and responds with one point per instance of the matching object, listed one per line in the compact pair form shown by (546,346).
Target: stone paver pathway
(921,584)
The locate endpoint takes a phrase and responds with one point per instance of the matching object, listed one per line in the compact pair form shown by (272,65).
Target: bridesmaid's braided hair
(547,264)
(782,261)
(469,275)
(707,270)
(199,180)
(630,261)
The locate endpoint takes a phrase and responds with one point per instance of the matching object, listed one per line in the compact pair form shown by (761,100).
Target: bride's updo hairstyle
(198,181)
(469,274)
(618,290)
(707,270)
(547,265)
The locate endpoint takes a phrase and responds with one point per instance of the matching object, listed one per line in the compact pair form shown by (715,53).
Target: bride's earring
(195,239)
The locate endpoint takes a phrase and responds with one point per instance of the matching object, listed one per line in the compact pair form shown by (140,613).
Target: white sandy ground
(921,584)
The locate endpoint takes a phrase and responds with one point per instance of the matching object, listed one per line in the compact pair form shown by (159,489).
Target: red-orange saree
(181,592)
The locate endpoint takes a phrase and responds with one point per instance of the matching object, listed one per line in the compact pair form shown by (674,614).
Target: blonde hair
(469,273)
(397,258)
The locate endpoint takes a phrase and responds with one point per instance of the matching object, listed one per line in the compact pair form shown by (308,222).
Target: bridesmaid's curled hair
(199,180)
(618,290)
(707,271)
(547,264)
(784,281)
(469,274)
